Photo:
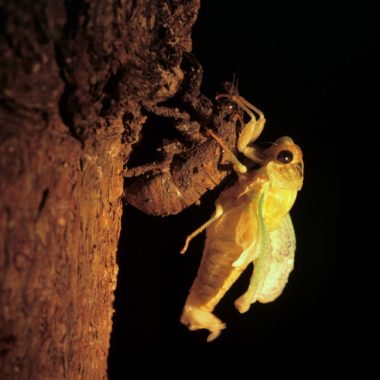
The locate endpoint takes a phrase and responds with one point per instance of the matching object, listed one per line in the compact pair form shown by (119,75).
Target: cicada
(251,224)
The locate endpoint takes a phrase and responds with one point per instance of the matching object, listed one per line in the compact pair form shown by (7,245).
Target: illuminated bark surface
(73,76)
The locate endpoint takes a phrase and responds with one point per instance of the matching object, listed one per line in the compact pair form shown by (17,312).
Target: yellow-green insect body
(251,224)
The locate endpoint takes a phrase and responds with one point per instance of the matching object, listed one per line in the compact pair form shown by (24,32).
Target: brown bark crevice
(72,77)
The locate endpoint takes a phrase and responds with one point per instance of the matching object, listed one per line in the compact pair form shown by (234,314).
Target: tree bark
(73,76)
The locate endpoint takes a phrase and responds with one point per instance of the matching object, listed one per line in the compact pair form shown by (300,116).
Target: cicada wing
(272,265)
(260,256)
(279,262)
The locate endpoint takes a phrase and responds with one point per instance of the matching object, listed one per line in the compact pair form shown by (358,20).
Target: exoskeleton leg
(237,165)
(217,214)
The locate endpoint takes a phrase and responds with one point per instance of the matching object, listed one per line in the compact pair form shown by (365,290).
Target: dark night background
(311,67)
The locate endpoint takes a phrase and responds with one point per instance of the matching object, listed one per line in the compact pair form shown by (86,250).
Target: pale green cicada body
(251,224)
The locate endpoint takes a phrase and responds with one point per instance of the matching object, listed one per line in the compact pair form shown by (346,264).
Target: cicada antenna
(235,82)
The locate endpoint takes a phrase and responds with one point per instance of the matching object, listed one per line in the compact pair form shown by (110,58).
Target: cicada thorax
(279,199)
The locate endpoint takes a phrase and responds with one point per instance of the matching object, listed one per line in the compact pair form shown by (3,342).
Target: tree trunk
(73,76)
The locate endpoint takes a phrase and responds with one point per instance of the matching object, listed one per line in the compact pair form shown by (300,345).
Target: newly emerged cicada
(251,224)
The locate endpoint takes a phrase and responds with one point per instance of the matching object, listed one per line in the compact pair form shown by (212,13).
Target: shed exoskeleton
(251,224)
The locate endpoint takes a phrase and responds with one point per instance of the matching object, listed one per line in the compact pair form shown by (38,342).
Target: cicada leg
(251,131)
(217,214)
(244,302)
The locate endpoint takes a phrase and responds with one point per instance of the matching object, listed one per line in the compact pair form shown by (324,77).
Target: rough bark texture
(72,76)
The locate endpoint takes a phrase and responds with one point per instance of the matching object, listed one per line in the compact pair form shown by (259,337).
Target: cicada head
(284,164)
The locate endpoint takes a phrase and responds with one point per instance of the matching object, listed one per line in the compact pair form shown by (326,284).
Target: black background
(311,67)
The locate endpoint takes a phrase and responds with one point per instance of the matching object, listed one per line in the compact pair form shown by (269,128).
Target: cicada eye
(285,156)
